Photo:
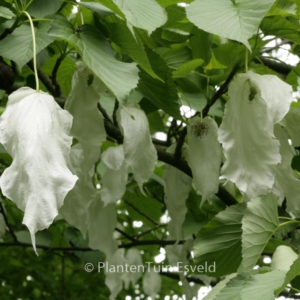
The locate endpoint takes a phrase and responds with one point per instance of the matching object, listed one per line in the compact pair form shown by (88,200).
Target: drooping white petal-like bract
(115,177)
(34,131)
(139,150)
(113,278)
(151,283)
(177,189)
(291,122)
(88,129)
(204,155)
(286,184)
(246,133)
(277,94)
(75,208)
(88,124)
(102,222)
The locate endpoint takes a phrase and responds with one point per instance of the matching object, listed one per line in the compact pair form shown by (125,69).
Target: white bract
(115,177)
(204,155)
(88,129)
(151,283)
(286,185)
(34,131)
(139,151)
(177,189)
(88,124)
(133,258)
(78,199)
(291,122)
(113,278)
(250,148)
(277,94)
(102,222)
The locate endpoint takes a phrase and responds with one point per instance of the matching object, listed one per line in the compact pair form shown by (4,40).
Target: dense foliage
(154,134)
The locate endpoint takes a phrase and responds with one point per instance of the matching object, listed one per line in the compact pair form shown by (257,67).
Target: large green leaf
(98,8)
(248,286)
(162,94)
(143,14)
(65,72)
(285,259)
(201,43)
(40,8)
(188,67)
(281,27)
(97,53)
(6,13)
(237,20)
(110,5)
(259,224)
(18,45)
(165,3)
(122,36)
(219,241)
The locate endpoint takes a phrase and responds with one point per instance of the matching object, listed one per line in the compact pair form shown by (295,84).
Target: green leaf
(237,21)
(118,76)
(18,45)
(186,68)
(280,27)
(110,5)
(259,224)
(162,94)
(6,13)
(219,241)
(122,36)
(201,43)
(62,28)
(65,72)
(285,259)
(248,286)
(146,15)
(98,8)
(97,53)
(40,8)
(165,3)
(175,57)
(283,8)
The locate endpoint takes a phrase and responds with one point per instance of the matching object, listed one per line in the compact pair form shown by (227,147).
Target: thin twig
(125,234)
(140,212)
(11,231)
(104,113)
(137,236)
(86,249)
(115,113)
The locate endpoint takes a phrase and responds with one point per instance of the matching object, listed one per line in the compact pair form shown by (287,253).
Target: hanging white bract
(34,131)
(247,131)
(204,155)
(102,222)
(75,208)
(139,150)
(88,124)
(177,189)
(287,185)
(88,129)
(115,177)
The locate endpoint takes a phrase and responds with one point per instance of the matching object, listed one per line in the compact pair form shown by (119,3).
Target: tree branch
(85,249)
(140,212)
(11,231)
